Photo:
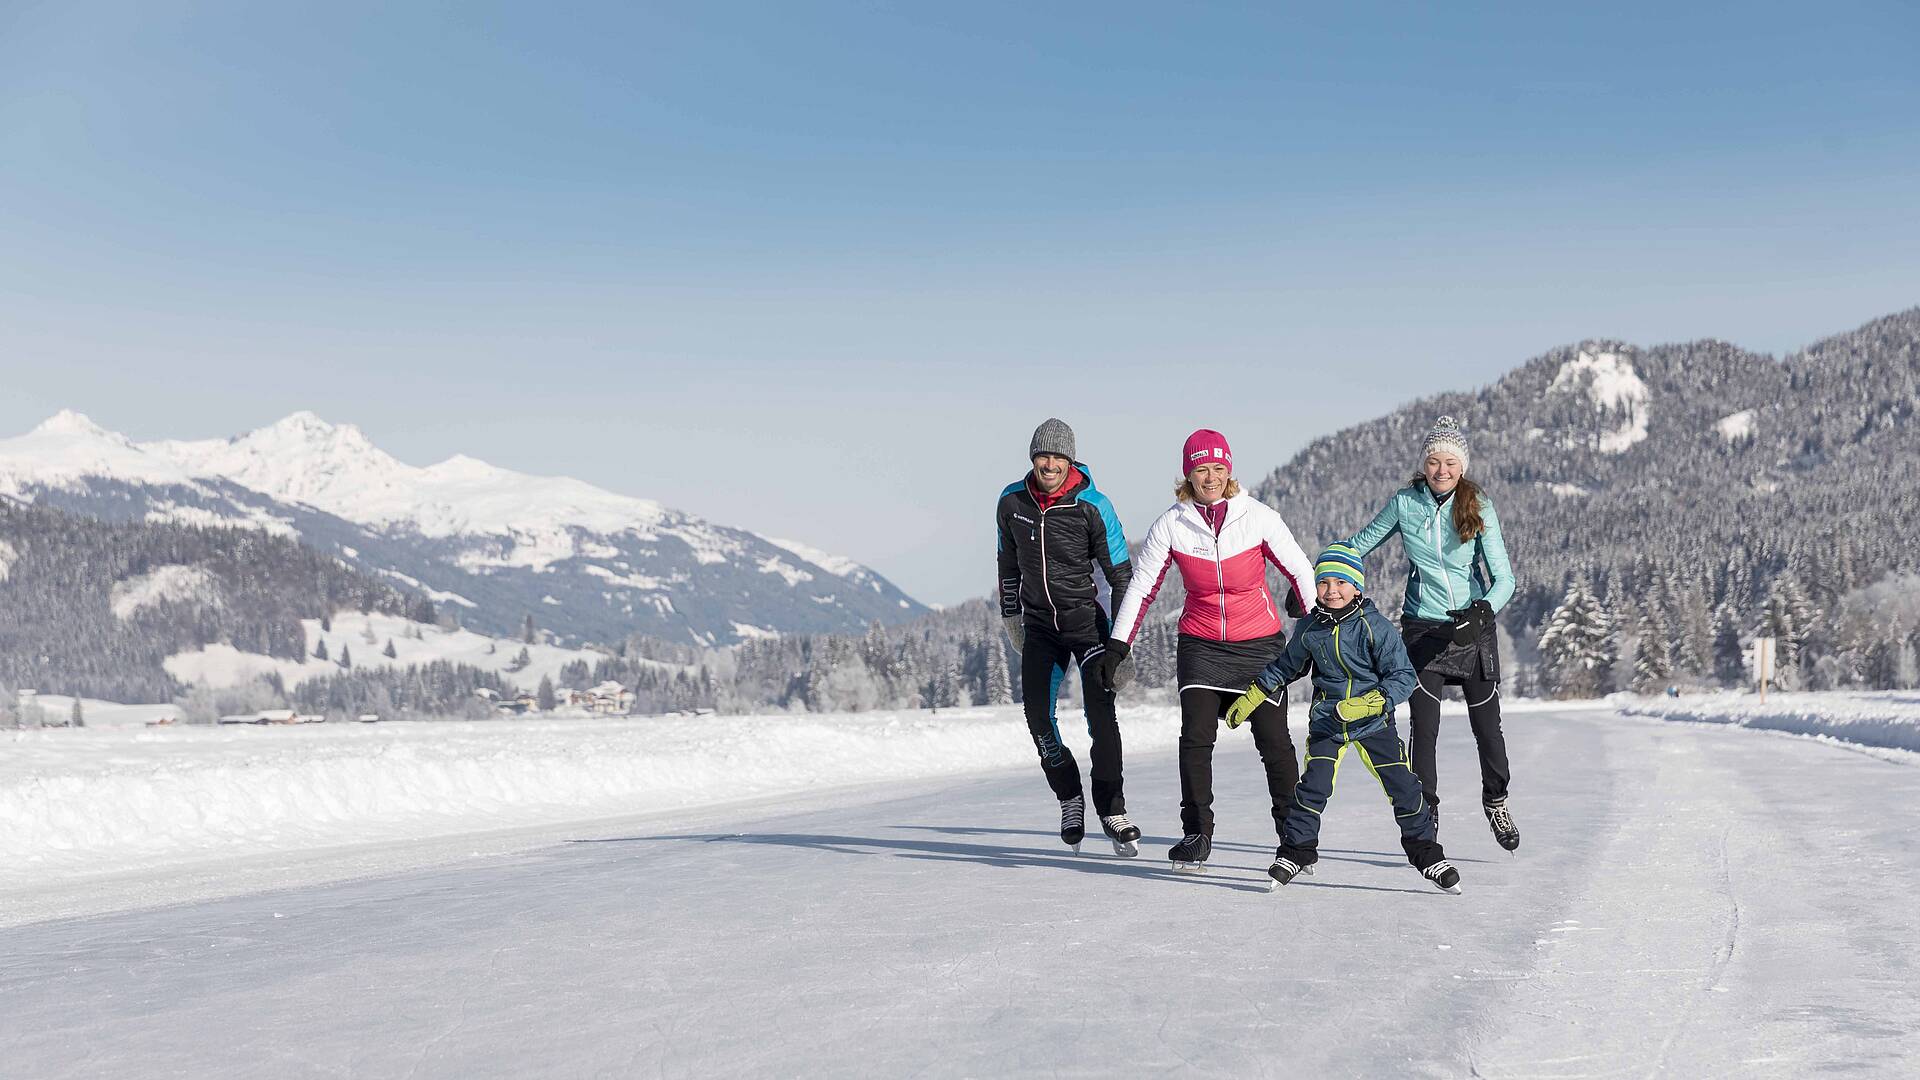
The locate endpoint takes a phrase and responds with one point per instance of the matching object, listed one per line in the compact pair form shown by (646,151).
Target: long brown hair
(1185,493)
(1466,507)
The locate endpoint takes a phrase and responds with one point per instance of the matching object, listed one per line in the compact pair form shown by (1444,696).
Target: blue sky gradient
(818,269)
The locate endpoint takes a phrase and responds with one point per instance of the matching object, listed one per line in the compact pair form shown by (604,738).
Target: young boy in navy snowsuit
(1361,673)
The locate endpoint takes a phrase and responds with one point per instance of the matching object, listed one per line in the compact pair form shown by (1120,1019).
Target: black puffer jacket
(1047,558)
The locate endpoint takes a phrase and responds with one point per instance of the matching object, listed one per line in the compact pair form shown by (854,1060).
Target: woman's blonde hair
(1185,493)
(1466,506)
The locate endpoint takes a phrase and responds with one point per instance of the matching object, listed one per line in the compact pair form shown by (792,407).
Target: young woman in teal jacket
(1458,578)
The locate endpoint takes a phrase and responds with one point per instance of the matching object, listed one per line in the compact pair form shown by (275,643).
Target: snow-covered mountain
(1695,484)
(588,564)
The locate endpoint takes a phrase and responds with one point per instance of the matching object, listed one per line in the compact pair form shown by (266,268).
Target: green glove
(1243,706)
(1371,703)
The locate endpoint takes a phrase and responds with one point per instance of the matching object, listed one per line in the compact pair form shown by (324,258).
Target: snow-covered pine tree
(320,650)
(77,717)
(346,656)
(1652,658)
(1576,646)
(544,696)
(391,653)
(999,678)
(1729,652)
(1789,619)
(1689,625)
(526,629)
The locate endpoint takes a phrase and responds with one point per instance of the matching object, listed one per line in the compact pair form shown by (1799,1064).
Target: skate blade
(1126,849)
(1273,884)
(1189,867)
(1454,889)
(1075,847)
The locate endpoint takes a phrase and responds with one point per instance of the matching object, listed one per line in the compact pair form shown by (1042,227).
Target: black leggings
(1200,712)
(1483,713)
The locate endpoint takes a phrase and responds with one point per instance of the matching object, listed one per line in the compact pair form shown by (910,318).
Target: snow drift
(1889,719)
(97,801)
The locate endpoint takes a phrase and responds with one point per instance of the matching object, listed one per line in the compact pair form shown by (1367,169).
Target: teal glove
(1371,703)
(1243,706)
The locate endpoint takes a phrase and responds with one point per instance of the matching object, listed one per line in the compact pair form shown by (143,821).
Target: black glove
(1114,671)
(1296,607)
(1471,622)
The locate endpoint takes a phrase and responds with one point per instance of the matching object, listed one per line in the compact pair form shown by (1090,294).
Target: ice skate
(1073,821)
(1444,877)
(1285,870)
(1505,832)
(1124,834)
(1189,856)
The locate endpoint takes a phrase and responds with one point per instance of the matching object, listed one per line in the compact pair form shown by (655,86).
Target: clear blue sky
(818,269)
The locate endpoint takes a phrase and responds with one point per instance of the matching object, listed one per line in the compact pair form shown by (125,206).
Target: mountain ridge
(587,563)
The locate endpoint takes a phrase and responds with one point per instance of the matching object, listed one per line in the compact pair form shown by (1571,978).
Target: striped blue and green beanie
(1341,561)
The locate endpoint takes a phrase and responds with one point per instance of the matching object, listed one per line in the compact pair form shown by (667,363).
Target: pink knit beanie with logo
(1204,446)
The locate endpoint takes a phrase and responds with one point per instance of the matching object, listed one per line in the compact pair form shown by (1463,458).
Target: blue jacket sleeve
(1493,549)
(1376,532)
(1390,661)
(1109,544)
(1292,662)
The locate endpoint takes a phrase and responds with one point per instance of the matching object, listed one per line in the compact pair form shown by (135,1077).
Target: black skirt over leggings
(1212,675)
(1475,669)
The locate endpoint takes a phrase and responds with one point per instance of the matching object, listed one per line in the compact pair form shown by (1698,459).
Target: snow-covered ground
(1888,719)
(57,709)
(366,638)
(1688,900)
(101,801)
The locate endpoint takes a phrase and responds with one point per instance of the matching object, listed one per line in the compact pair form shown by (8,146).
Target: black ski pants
(1043,667)
(1483,714)
(1386,757)
(1200,711)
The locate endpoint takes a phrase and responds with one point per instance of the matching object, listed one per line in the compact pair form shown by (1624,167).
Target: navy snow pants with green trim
(1386,757)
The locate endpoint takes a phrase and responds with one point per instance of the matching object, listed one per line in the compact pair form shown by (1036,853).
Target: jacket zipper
(1341,659)
(1046,586)
(1433,531)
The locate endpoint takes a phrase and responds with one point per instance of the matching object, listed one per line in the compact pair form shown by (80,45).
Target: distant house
(607,699)
(273,716)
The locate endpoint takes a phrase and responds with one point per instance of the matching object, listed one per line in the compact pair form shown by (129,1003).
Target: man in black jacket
(1055,528)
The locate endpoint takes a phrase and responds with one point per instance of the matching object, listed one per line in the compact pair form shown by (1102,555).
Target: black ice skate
(1284,869)
(1444,877)
(1073,821)
(1124,834)
(1505,832)
(1190,854)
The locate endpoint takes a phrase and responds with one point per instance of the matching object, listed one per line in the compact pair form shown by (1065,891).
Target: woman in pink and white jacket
(1222,540)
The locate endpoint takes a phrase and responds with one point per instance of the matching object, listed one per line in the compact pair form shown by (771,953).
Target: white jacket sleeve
(1148,571)
(1284,552)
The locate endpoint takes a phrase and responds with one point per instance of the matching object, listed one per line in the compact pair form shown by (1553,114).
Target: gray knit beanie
(1446,435)
(1052,437)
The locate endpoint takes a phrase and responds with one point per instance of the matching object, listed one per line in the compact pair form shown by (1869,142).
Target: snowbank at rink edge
(1886,719)
(81,802)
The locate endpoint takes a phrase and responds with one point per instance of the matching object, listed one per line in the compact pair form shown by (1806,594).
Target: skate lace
(1118,822)
(1073,814)
(1500,819)
(1437,869)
